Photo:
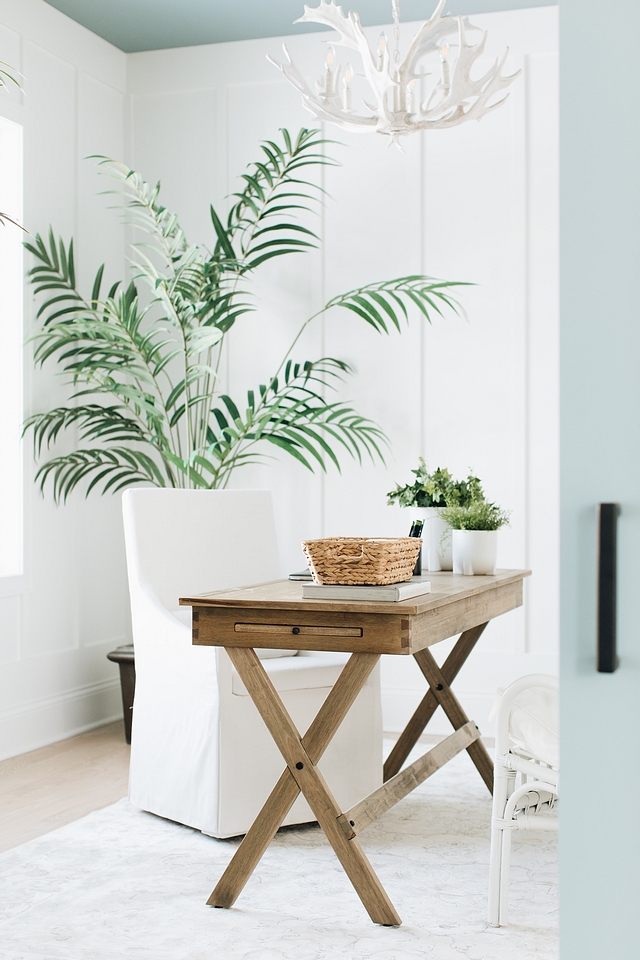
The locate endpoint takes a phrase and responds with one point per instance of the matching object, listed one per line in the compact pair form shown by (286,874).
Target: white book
(386,592)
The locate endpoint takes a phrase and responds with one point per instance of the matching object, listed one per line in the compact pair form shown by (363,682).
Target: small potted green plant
(427,497)
(475,536)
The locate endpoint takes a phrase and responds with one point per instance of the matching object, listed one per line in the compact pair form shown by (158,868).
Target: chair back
(184,542)
(527,713)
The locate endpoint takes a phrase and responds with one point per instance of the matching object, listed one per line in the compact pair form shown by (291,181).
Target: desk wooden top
(287,595)
(267,614)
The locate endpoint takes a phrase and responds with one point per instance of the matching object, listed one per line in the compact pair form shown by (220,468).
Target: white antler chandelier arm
(459,104)
(470,110)
(324,108)
(330,15)
(395,107)
(291,73)
(427,40)
(351,35)
(377,75)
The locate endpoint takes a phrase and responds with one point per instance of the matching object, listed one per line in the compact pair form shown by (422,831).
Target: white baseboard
(41,722)
(398,706)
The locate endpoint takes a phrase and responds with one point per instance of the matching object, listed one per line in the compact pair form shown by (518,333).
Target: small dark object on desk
(416,531)
(416,528)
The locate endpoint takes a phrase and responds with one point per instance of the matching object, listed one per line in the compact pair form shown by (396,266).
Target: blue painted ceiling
(134,25)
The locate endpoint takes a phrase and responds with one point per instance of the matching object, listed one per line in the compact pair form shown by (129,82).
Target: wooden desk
(275,615)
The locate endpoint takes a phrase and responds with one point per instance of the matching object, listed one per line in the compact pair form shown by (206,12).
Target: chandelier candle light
(398,108)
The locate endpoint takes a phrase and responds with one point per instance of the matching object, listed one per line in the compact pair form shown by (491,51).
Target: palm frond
(275,187)
(382,304)
(55,271)
(143,209)
(94,422)
(114,468)
(294,416)
(144,359)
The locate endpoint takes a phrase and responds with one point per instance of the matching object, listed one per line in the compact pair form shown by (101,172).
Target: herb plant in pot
(428,497)
(475,536)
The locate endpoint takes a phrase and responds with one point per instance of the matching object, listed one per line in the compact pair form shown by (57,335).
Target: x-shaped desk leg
(440,694)
(301,756)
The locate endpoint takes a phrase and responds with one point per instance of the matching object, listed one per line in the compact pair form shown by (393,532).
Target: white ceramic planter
(474,552)
(436,539)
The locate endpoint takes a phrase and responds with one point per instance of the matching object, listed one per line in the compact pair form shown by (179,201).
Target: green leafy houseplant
(478,515)
(437,489)
(145,369)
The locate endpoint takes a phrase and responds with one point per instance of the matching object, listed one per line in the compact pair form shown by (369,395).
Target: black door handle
(607,586)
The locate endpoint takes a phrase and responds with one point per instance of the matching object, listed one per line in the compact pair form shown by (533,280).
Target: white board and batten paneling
(477,203)
(69,606)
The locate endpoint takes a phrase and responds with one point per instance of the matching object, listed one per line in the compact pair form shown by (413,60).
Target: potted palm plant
(144,361)
(427,497)
(475,536)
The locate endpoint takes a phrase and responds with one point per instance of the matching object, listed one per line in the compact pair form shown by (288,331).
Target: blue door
(600,462)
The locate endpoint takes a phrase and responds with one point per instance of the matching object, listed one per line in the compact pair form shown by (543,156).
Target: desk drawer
(301,630)
(316,630)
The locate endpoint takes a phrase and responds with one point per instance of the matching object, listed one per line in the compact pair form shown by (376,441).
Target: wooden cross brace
(302,755)
(441,694)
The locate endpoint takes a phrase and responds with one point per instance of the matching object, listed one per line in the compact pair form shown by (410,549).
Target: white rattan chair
(526,720)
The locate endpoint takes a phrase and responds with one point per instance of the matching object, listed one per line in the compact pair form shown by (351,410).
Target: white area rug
(121,885)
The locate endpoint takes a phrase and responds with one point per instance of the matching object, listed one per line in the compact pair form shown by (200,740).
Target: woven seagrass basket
(362,560)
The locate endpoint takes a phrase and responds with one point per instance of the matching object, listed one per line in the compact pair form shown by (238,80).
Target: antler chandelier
(397,107)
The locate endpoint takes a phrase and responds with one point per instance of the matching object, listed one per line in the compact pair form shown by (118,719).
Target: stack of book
(392,592)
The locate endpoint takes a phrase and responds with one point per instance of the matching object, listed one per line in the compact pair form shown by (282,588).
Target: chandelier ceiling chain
(395,83)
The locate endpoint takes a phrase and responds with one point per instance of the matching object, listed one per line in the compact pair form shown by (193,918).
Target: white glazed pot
(436,539)
(474,552)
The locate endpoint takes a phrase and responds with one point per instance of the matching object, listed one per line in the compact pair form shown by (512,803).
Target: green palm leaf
(270,187)
(117,467)
(94,422)
(378,302)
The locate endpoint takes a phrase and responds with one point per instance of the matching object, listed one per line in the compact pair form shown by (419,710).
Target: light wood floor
(47,788)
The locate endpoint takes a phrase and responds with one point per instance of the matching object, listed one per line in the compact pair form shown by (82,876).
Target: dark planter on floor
(124,657)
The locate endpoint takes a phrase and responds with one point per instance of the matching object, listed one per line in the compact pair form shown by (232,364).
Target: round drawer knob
(295,630)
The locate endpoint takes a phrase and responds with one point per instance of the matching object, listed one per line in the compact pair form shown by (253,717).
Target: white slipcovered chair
(527,744)
(200,753)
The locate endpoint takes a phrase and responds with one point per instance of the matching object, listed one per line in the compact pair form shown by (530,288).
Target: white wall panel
(102,609)
(11,337)
(70,608)
(100,130)
(374,232)
(11,46)
(51,604)
(10,629)
(476,203)
(175,142)
(50,137)
(50,610)
(543,398)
